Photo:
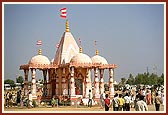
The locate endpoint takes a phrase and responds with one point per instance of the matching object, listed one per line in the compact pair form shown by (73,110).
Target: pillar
(49,83)
(56,78)
(33,90)
(63,82)
(101,81)
(111,85)
(88,83)
(26,83)
(72,81)
(45,92)
(96,83)
(72,87)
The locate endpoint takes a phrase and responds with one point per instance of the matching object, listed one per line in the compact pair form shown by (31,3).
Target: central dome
(81,58)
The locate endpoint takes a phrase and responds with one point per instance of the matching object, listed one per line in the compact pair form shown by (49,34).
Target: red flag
(63,12)
(39,42)
(57,46)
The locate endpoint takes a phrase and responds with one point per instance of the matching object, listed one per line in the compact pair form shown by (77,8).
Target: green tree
(131,80)
(154,79)
(123,81)
(139,79)
(19,79)
(161,79)
(146,79)
(10,82)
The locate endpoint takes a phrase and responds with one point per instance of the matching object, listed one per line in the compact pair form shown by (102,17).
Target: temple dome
(81,58)
(39,59)
(98,59)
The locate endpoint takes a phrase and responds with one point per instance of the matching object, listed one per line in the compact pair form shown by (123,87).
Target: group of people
(123,101)
(12,98)
(139,100)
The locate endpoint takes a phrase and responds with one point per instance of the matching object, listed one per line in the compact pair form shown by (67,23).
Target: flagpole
(39,44)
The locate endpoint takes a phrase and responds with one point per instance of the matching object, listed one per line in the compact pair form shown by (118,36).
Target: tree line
(145,79)
(11,82)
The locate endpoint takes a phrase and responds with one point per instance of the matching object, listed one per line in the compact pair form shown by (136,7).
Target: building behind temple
(69,73)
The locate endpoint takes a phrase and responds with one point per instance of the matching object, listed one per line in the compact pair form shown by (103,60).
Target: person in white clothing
(141,105)
(127,102)
(102,98)
(30,99)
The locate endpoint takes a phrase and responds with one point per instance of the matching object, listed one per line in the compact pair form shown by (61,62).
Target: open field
(66,109)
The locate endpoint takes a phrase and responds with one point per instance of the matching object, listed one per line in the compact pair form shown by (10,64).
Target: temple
(69,73)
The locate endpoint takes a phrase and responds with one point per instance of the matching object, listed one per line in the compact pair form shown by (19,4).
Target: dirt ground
(66,109)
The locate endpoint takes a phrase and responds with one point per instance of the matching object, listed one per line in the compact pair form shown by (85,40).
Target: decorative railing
(76,65)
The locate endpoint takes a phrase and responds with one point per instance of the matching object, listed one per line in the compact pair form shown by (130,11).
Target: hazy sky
(129,35)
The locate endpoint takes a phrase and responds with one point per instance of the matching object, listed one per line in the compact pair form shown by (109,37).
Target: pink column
(101,81)
(88,84)
(111,86)
(26,92)
(33,90)
(96,83)
(72,81)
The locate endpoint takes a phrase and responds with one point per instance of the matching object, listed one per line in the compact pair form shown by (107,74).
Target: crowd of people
(17,99)
(139,100)
(122,101)
(12,98)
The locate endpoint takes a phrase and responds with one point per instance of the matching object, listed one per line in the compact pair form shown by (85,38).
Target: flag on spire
(95,43)
(57,46)
(63,12)
(39,42)
(79,42)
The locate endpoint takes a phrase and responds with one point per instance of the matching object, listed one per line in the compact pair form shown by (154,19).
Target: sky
(129,35)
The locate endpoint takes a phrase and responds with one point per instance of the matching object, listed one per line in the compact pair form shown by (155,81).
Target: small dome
(81,58)
(99,59)
(39,59)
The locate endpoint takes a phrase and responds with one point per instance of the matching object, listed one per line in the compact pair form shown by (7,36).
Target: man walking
(90,99)
(158,101)
(141,105)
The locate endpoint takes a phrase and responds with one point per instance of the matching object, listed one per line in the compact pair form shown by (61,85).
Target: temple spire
(67,26)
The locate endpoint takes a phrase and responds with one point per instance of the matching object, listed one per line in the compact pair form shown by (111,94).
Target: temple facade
(69,73)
